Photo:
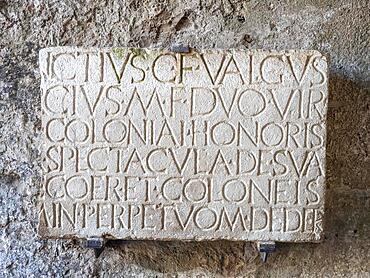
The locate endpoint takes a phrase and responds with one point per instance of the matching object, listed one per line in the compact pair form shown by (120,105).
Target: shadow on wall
(347,207)
(348,160)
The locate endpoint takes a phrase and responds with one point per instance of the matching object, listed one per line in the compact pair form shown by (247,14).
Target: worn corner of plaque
(44,52)
(325,57)
(316,52)
(42,230)
(42,217)
(318,231)
(44,61)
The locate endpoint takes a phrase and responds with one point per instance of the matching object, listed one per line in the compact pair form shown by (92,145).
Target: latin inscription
(150,144)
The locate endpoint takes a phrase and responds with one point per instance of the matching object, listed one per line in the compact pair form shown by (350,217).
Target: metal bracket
(179,48)
(96,243)
(265,248)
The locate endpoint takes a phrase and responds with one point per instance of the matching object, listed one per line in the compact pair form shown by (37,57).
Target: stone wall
(338,28)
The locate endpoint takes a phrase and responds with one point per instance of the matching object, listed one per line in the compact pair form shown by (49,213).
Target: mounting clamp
(265,248)
(96,243)
(180,48)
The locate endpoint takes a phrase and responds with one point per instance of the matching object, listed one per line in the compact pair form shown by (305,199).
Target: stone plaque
(213,144)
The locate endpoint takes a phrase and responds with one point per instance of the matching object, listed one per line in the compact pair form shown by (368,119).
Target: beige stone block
(206,145)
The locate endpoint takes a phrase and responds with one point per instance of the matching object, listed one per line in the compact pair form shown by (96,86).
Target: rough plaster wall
(338,28)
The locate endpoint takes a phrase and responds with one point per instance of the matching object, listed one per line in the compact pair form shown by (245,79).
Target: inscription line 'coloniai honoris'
(210,144)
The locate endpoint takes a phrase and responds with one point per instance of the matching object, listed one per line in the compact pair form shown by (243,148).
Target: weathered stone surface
(151,144)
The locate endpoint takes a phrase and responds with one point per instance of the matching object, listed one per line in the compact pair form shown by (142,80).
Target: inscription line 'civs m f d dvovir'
(151,144)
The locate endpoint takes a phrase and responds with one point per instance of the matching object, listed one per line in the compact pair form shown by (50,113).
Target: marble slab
(205,145)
